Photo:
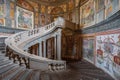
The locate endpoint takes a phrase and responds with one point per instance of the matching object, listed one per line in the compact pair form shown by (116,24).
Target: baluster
(37,30)
(28,33)
(25,61)
(50,67)
(16,59)
(10,55)
(54,67)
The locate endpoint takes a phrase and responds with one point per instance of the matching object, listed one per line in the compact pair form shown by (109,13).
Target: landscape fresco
(100,13)
(24,18)
(88,13)
(88,50)
(108,54)
(77,2)
(2,10)
(112,6)
(2,21)
(100,4)
(42,20)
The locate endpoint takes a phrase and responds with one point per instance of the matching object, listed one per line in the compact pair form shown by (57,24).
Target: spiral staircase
(17,64)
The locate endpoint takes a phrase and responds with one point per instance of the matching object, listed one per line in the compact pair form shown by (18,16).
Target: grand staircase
(16,64)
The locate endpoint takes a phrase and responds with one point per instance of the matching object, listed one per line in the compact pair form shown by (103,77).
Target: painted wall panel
(112,6)
(88,13)
(108,53)
(88,50)
(24,18)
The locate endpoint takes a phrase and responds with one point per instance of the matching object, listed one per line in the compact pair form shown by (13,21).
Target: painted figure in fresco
(1,9)
(108,47)
(24,19)
(118,44)
(116,63)
(88,49)
(1,2)
(43,20)
(1,23)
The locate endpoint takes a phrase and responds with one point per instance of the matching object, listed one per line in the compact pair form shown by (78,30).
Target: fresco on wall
(111,7)
(77,2)
(2,21)
(25,4)
(12,10)
(70,5)
(88,50)
(64,6)
(2,10)
(48,19)
(24,18)
(35,5)
(100,4)
(87,13)
(57,10)
(2,1)
(49,9)
(36,18)
(108,53)
(70,16)
(42,9)
(42,19)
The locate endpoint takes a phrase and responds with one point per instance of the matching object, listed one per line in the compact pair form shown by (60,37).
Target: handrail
(13,51)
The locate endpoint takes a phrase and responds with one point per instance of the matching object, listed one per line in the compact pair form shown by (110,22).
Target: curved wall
(100,35)
(42,14)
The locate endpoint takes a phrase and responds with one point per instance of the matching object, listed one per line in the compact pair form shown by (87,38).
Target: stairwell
(81,70)
(10,69)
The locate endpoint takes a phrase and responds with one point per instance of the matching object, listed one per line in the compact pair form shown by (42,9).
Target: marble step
(8,72)
(7,65)
(8,77)
(25,75)
(18,75)
(6,68)
(4,62)
(35,75)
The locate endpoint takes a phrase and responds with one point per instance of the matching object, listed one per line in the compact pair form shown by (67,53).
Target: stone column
(40,49)
(55,46)
(59,45)
(44,42)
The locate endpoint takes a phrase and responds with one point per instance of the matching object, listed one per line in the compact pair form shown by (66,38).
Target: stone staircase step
(25,75)
(7,65)
(8,72)
(18,75)
(19,69)
(35,75)
(4,62)
(4,69)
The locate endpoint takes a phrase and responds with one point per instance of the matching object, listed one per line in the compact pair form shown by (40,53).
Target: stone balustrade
(29,60)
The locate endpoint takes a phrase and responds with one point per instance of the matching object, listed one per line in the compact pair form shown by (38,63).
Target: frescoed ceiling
(50,2)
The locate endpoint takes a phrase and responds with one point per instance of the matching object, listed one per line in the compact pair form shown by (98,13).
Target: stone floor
(81,70)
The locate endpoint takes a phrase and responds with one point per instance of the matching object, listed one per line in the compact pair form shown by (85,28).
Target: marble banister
(13,51)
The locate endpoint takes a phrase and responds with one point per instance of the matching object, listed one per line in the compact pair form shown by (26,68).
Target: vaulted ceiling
(50,2)
(54,2)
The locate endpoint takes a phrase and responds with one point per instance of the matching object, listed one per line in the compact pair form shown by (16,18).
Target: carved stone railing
(17,54)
